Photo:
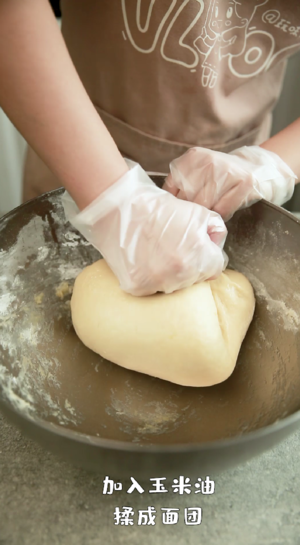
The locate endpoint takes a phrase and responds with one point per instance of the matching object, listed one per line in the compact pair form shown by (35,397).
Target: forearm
(286,144)
(43,96)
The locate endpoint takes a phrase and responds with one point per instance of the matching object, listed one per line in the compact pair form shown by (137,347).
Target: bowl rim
(117,445)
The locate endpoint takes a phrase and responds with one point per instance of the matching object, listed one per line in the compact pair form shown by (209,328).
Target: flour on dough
(191,337)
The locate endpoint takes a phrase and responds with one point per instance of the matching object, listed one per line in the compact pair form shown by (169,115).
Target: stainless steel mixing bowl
(123,423)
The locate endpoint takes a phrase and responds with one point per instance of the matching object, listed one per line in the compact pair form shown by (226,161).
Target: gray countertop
(46,501)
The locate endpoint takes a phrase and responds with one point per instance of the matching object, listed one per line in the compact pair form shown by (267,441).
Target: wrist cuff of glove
(275,180)
(109,200)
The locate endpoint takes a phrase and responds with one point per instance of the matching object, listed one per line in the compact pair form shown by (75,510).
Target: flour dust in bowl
(120,422)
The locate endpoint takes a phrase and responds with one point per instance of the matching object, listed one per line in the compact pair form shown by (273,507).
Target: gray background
(287,110)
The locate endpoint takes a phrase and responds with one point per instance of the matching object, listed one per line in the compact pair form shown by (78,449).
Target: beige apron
(166,75)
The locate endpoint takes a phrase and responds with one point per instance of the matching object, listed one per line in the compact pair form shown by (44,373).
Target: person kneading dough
(191,337)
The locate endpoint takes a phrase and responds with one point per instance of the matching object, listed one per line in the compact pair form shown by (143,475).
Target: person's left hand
(225,182)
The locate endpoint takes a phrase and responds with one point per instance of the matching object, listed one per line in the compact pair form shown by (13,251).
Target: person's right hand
(151,240)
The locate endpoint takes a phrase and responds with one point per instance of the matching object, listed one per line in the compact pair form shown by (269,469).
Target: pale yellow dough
(191,337)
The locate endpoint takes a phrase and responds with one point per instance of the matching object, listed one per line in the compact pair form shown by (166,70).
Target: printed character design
(219,35)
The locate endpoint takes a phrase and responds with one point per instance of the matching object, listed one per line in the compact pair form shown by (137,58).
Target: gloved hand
(151,240)
(227,182)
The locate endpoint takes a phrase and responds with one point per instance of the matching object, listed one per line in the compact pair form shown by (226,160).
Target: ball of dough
(191,337)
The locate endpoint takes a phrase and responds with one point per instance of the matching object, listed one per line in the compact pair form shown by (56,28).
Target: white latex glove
(227,182)
(151,240)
